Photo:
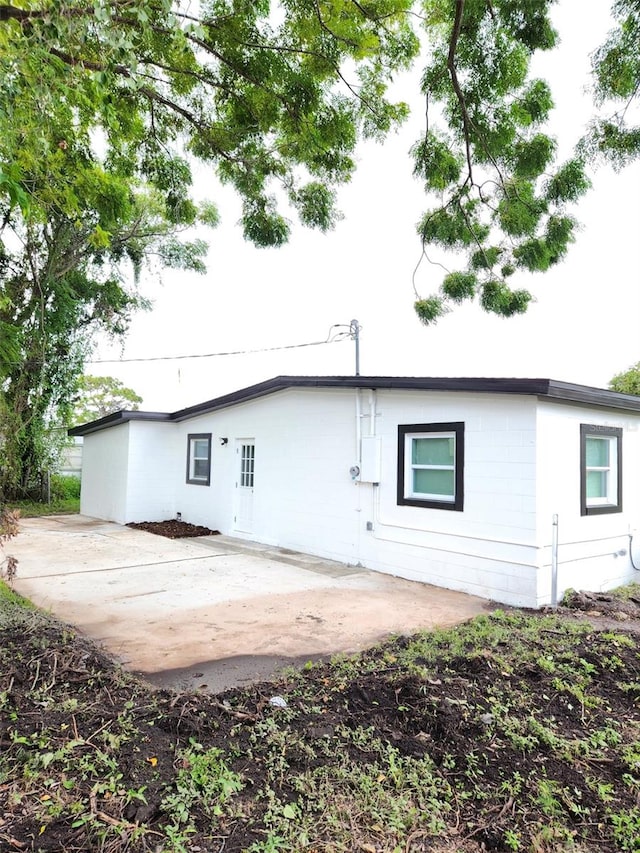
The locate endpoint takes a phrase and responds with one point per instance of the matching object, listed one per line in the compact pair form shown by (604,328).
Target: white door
(245,474)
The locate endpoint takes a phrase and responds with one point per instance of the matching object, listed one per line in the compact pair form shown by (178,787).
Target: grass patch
(9,598)
(513,732)
(628,592)
(35,509)
(64,495)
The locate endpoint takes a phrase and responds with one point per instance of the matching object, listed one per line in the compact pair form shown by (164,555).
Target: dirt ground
(459,724)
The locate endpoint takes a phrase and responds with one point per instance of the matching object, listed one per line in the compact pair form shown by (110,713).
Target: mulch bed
(173,529)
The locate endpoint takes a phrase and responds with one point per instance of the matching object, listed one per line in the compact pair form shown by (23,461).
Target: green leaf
(460,286)
(316,206)
(429,310)
(519,210)
(498,298)
(435,162)
(569,183)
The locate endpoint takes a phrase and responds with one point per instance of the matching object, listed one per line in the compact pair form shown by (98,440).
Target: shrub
(64,488)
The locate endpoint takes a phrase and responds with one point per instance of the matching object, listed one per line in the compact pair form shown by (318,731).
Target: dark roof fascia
(116,419)
(562,392)
(566,392)
(542,388)
(281,383)
(243,395)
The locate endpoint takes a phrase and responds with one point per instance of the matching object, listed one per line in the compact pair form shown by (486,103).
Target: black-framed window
(600,469)
(431,465)
(199,458)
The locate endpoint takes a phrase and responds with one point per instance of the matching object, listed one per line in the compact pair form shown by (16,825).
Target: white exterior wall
(522,466)
(589,546)
(152,471)
(305,498)
(489,549)
(129,472)
(105,463)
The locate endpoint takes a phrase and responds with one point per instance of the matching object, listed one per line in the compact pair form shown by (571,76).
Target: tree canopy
(274,96)
(104,106)
(99,396)
(101,108)
(259,91)
(65,274)
(627,382)
(502,201)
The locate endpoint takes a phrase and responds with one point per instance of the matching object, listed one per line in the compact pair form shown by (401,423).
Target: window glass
(597,452)
(433,451)
(200,448)
(432,482)
(597,484)
(200,469)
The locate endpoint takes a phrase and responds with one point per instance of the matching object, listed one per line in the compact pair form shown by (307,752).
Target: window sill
(601,509)
(455,506)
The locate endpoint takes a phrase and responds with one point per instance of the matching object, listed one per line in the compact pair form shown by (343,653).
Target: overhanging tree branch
(451,65)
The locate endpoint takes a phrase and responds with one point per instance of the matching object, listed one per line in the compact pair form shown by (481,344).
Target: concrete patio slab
(170,605)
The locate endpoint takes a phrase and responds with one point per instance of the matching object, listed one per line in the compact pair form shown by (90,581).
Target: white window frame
(193,478)
(407,434)
(410,466)
(612,500)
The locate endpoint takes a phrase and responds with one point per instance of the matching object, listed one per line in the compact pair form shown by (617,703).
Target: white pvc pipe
(554,562)
(372,412)
(358,425)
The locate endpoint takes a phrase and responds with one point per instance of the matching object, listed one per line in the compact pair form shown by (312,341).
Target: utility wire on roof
(337,337)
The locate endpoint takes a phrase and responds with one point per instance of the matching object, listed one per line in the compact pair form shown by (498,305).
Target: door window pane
(247,465)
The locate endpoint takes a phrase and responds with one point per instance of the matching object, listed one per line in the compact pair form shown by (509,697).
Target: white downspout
(372,412)
(554,562)
(358,425)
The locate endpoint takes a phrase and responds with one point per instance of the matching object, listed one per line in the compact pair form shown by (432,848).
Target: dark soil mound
(604,604)
(174,529)
(513,732)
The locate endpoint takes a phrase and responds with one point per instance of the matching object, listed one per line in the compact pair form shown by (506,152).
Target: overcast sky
(584,326)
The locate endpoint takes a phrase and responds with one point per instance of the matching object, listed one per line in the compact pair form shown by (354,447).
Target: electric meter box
(371,454)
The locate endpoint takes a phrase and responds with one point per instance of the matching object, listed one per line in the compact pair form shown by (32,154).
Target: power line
(340,336)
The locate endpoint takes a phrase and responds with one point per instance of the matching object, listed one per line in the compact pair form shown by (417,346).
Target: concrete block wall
(303,496)
(105,466)
(489,549)
(589,546)
(152,471)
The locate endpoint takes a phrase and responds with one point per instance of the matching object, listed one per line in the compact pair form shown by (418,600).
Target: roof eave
(561,392)
(116,419)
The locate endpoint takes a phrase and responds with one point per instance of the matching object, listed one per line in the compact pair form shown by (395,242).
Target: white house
(505,488)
